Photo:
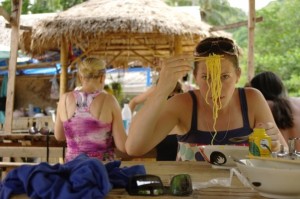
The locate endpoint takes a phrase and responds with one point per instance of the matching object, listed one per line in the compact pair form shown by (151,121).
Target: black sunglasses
(206,47)
(151,185)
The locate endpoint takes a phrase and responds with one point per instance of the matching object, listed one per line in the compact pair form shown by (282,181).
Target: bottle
(126,116)
(260,143)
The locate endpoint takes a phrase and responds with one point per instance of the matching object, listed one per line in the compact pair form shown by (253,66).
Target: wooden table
(199,171)
(27,145)
(26,139)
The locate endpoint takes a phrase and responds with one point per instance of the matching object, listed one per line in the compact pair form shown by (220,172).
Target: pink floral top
(85,133)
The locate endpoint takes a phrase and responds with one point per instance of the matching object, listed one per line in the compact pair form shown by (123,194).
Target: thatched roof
(25,20)
(118,30)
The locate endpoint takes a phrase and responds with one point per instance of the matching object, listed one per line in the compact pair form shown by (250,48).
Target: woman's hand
(273,132)
(172,70)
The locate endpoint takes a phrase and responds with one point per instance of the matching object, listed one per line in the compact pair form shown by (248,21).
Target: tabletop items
(220,155)
(23,124)
(152,185)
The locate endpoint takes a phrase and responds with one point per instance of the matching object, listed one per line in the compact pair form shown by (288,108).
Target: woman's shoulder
(105,95)
(181,99)
(252,92)
(254,97)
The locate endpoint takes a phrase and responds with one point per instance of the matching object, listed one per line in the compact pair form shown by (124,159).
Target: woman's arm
(118,130)
(59,132)
(156,118)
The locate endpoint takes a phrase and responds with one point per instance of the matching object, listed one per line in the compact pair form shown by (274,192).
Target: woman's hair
(91,67)
(272,88)
(218,46)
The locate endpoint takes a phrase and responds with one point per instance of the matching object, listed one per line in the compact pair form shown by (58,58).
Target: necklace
(215,134)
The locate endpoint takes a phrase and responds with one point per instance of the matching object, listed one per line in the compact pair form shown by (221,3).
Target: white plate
(272,179)
(219,155)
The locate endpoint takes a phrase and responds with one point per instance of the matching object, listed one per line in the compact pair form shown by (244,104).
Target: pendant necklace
(213,135)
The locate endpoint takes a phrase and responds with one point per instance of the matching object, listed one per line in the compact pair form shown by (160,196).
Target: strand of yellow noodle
(213,67)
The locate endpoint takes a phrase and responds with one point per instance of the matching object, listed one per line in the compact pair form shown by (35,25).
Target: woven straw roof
(118,30)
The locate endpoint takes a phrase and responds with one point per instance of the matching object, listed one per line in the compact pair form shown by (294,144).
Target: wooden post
(64,52)
(15,22)
(178,45)
(251,27)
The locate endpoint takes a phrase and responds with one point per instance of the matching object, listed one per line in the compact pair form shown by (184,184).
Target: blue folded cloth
(82,177)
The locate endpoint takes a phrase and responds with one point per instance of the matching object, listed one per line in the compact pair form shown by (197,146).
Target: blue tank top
(188,148)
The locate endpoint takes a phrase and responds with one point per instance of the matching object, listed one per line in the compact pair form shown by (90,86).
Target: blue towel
(82,177)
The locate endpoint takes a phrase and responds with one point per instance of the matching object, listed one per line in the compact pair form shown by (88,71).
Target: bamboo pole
(15,18)
(178,45)
(115,57)
(143,57)
(64,66)
(251,27)
(234,25)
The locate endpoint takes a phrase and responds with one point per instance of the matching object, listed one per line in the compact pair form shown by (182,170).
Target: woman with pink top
(89,119)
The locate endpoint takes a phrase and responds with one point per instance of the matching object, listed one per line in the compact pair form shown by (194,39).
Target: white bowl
(219,155)
(272,179)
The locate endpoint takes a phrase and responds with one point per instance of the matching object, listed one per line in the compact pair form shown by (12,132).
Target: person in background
(89,119)
(217,113)
(285,109)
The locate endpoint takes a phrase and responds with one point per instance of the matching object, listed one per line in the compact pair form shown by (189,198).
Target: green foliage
(277,42)
(219,12)
(45,6)
(214,12)
(42,6)
(117,90)
(181,2)
(69,3)
(6,4)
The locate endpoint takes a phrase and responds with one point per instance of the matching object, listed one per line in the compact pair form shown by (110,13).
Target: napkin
(225,182)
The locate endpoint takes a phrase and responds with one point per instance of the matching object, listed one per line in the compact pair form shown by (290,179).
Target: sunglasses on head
(151,185)
(218,46)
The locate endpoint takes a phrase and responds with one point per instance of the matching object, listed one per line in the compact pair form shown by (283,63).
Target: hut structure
(120,31)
